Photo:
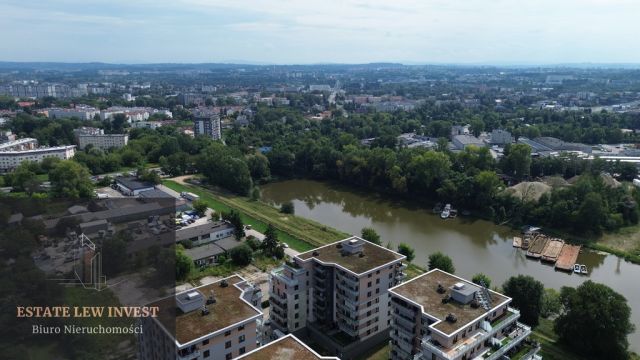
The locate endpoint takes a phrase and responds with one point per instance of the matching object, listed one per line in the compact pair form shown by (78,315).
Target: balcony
(280,276)
(458,350)
(278,301)
(406,344)
(501,322)
(188,354)
(501,346)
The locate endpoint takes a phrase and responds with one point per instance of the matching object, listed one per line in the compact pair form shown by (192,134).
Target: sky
(327,31)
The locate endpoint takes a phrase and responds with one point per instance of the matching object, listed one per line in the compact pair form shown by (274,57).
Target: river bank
(475,245)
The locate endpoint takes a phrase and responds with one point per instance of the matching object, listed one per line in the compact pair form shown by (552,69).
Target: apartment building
(13,158)
(207,123)
(19,144)
(218,321)
(439,316)
(287,347)
(103,141)
(81,112)
(337,294)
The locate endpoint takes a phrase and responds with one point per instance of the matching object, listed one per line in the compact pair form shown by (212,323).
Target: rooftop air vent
(205,311)
(441,289)
(451,318)
(339,246)
(353,241)
(458,286)
(211,299)
(475,304)
(361,255)
(446,299)
(224,283)
(315,253)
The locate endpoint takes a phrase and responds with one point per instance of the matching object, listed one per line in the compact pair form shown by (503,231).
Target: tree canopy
(526,293)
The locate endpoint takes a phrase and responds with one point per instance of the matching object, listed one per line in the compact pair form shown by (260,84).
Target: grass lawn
(547,338)
(301,234)
(413,270)
(379,353)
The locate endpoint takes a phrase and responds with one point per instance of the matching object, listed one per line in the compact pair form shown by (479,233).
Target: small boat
(446,211)
(583,269)
(576,268)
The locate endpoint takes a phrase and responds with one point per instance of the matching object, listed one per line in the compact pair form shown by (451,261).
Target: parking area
(111,193)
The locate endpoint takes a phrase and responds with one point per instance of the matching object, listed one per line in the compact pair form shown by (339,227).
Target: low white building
(80,112)
(11,159)
(103,141)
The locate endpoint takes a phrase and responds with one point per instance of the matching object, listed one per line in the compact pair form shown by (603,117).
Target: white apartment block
(438,316)
(147,124)
(80,112)
(218,321)
(340,290)
(103,141)
(19,144)
(11,159)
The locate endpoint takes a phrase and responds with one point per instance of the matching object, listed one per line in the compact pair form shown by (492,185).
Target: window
(295,287)
(241,350)
(228,356)
(227,344)
(206,354)
(369,284)
(295,325)
(241,327)
(378,281)
(296,316)
(296,306)
(227,333)
(296,297)
(241,339)
(369,294)
(378,291)
(205,342)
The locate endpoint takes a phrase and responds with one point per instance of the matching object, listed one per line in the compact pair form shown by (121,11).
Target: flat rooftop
(285,348)
(374,255)
(229,309)
(423,290)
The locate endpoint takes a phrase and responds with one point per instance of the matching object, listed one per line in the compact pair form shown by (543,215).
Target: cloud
(289,31)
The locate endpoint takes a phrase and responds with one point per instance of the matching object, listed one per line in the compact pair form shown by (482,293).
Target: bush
(241,255)
(407,251)
(287,208)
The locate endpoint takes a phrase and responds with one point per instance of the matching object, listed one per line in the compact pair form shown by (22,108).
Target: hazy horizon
(292,32)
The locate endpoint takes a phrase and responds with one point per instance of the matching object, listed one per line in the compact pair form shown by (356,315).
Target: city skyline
(255,32)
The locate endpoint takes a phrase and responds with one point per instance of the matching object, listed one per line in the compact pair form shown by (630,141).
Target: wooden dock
(552,250)
(568,257)
(537,246)
(517,242)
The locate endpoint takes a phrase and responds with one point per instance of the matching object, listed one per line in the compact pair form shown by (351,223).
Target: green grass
(379,353)
(413,270)
(299,233)
(547,338)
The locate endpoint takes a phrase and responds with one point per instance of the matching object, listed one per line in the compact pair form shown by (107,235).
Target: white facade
(11,159)
(103,141)
(80,112)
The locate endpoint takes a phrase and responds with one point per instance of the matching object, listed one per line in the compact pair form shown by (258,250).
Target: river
(474,245)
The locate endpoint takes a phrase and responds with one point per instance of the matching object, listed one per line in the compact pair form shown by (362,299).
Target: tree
(234,218)
(255,194)
(258,166)
(24,178)
(270,244)
(551,304)
(518,160)
(407,251)
(183,264)
(241,255)
(526,293)
(114,255)
(371,235)
(441,261)
(590,214)
(70,180)
(199,206)
(595,321)
(287,208)
(481,279)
